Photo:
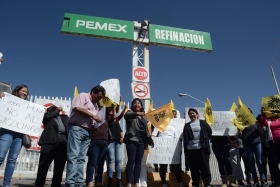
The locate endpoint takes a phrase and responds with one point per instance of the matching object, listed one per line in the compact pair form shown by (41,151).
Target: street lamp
(184,94)
(1,59)
(144,28)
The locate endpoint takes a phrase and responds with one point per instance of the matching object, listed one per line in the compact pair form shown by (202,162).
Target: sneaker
(180,184)
(256,184)
(264,184)
(240,182)
(164,185)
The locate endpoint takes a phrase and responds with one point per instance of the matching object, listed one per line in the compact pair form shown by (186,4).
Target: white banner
(222,121)
(165,151)
(178,124)
(112,87)
(222,125)
(48,102)
(20,115)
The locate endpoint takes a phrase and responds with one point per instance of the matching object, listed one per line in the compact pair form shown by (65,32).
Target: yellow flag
(173,106)
(76,91)
(208,112)
(160,117)
(239,102)
(271,105)
(233,108)
(107,102)
(244,118)
(151,106)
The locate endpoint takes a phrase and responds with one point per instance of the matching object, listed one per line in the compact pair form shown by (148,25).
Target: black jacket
(132,128)
(205,135)
(50,133)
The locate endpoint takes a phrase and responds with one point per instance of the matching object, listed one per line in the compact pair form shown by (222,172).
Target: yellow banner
(244,118)
(208,112)
(233,108)
(160,117)
(151,106)
(76,91)
(107,102)
(173,106)
(271,105)
(239,102)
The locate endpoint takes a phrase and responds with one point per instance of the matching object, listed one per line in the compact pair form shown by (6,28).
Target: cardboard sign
(112,87)
(47,102)
(20,115)
(178,124)
(165,151)
(222,125)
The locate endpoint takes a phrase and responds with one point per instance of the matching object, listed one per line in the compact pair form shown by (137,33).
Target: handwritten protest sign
(112,87)
(20,115)
(178,124)
(222,125)
(165,151)
(46,102)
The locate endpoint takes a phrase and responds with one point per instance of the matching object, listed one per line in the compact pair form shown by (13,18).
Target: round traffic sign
(141,90)
(140,73)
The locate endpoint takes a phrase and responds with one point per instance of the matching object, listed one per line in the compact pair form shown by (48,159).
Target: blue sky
(244,37)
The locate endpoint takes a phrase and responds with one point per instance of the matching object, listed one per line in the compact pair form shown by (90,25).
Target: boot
(109,184)
(224,180)
(119,183)
(231,181)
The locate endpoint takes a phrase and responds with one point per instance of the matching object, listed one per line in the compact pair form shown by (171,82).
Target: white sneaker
(164,185)
(180,184)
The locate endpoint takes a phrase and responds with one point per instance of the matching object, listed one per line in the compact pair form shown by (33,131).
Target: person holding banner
(114,153)
(11,141)
(170,132)
(137,138)
(251,138)
(273,126)
(53,142)
(82,118)
(196,136)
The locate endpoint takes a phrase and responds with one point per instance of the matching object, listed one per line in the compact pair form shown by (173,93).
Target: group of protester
(71,139)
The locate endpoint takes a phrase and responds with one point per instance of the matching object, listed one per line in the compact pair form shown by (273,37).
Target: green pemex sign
(91,26)
(180,38)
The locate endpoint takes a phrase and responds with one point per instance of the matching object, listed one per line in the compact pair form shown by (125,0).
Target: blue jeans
(97,154)
(135,154)
(77,146)
(221,152)
(255,151)
(114,158)
(9,141)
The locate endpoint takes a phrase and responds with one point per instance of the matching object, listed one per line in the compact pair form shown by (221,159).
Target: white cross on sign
(140,90)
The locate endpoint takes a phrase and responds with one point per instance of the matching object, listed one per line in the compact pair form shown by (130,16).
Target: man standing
(82,119)
(53,142)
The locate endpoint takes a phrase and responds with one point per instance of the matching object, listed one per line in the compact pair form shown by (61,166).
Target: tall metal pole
(273,75)
(147,65)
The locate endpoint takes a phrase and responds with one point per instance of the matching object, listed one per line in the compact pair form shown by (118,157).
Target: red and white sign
(140,73)
(140,90)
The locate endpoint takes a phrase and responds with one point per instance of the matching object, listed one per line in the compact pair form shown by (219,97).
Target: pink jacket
(274,127)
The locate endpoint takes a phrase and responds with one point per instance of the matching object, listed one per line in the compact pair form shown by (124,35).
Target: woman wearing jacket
(136,139)
(197,134)
(251,138)
(273,125)
(11,141)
